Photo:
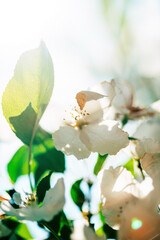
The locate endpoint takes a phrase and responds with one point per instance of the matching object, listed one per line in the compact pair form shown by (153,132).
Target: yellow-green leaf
(28,92)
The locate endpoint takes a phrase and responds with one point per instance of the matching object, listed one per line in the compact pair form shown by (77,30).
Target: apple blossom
(137,148)
(53,203)
(148,128)
(86,130)
(128,205)
(151,164)
(123,102)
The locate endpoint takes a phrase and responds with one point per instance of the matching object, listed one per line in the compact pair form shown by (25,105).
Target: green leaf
(18,165)
(28,92)
(41,135)
(42,187)
(14,237)
(77,194)
(52,160)
(22,231)
(100,161)
(10,223)
(130,166)
(64,229)
(45,158)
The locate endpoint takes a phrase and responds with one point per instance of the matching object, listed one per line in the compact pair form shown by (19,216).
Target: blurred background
(89,41)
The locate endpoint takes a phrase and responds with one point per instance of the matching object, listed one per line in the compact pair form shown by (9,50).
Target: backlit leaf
(28,92)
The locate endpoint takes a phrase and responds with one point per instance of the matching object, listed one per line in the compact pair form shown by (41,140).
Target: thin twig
(30,152)
(51,230)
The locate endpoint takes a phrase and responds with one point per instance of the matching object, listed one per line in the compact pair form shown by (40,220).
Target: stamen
(3,199)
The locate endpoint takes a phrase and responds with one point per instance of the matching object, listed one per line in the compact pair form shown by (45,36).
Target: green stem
(125,120)
(140,168)
(30,152)
(132,138)
(51,230)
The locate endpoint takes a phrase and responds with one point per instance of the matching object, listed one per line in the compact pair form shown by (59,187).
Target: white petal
(53,202)
(148,219)
(148,129)
(17,198)
(105,88)
(85,96)
(66,139)
(105,137)
(156,106)
(124,96)
(125,201)
(137,148)
(94,111)
(147,145)
(24,213)
(118,189)
(151,164)
(93,105)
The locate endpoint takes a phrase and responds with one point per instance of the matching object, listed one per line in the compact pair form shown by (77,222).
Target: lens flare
(136,223)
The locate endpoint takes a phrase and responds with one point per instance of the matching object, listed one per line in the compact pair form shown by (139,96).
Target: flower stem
(140,168)
(132,138)
(51,230)
(30,152)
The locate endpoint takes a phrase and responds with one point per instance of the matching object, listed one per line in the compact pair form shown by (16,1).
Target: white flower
(151,164)
(53,203)
(128,205)
(147,135)
(148,129)
(137,148)
(123,102)
(86,130)
(83,232)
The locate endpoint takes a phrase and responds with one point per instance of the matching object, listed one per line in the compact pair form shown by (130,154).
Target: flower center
(78,117)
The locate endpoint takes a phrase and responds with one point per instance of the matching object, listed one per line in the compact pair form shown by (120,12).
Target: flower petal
(66,139)
(105,137)
(124,96)
(148,129)
(137,148)
(24,213)
(151,164)
(118,189)
(52,204)
(128,205)
(155,106)
(106,89)
(86,96)
(93,104)
(139,222)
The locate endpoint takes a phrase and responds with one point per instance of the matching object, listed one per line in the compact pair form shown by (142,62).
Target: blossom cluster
(95,123)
